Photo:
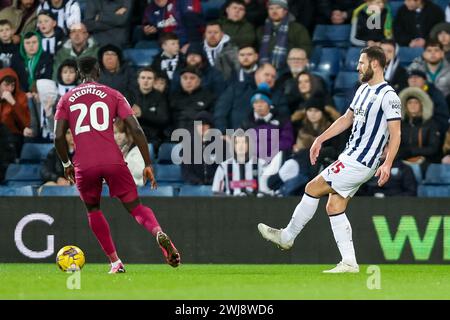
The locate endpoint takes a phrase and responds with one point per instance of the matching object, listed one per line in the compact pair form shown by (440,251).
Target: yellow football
(70,258)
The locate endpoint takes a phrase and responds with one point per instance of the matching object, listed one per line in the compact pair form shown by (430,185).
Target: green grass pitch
(259,282)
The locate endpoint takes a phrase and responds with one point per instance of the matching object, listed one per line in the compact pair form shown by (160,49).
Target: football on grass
(70,258)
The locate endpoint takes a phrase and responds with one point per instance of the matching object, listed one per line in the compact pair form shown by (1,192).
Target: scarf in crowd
(277,57)
(387,28)
(169,64)
(392,66)
(31,63)
(212,53)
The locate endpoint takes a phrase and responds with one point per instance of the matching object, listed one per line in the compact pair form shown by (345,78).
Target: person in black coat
(335,11)
(150,107)
(190,100)
(394,74)
(414,21)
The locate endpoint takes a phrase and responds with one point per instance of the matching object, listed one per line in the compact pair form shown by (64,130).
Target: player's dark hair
(88,68)
(375,53)
(166,36)
(5,22)
(433,43)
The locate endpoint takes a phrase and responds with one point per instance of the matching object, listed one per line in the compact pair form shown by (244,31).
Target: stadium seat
(211,8)
(24,183)
(35,152)
(395,5)
(195,191)
(326,78)
(16,191)
(329,61)
(151,148)
(23,172)
(406,55)
(442,3)
(168,173)
(341,103)
(140,57)
(417,170)
(161,191)
(438,174)
(433,191)
(345,81)
(351,59)
(58,191)
(146,44)
(332,35)
(165,153)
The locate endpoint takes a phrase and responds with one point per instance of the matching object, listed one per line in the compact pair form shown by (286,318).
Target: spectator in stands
(33,63)
(183,17)
(417,78)
(248,63)
(7,150)
(190,100)
(233,106)
(79,45)
(130,151)
(5,3)
(297,62)
(114,72)
(279,35)
(234,24)
(336,11)
(67,12)
(67,76)
(161,84)
(51,34)
(7,47)
(436,66)
(255,12)
(265,120)
(14,112)
(150,107)
(200,173)
(170,59)
(414,21)
(371,23)
(395,74)
(52,170)
(441,33)
(22,15)
(241,175)
(402,182)
(42,110)
(212,79)
(108,21)
(420,136)
(220,51)
(304,12)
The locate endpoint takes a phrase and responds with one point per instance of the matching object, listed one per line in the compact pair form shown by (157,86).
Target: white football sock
(115,263)
(342,231)
(302,214)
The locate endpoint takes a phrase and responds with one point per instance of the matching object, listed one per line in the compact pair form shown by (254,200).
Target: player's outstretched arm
(384,171)
(141,141)
(337,127)
(62,149)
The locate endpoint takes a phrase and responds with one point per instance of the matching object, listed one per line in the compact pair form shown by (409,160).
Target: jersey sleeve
(392,106)
(123,107)
(61,110)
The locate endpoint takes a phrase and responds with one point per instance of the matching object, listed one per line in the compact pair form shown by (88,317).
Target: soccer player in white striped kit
(375,116)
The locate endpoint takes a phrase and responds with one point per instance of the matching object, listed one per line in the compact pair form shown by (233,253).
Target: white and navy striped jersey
(373,107)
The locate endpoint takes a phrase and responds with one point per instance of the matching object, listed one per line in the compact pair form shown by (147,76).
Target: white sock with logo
(342,231)
(304,211)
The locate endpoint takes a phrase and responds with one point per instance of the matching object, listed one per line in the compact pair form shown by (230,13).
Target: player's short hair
(166,36)
(375,53)
(433,43)
(4,22)
(86,65)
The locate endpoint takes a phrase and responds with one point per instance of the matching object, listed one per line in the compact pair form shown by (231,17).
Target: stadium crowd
(252,65)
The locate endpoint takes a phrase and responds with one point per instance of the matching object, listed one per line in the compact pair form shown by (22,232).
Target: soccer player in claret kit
(375,116)
(89,111)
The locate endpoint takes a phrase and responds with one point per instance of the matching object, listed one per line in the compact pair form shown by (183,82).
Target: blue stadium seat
(165,153)
(341,103)
(441,3)
(83,5)
(332,35)
(211,8)
(406,55)
(351,59)
(24,183)
(140,57)
(329,61)
(345,81)
(196,191)
(326,77)
(35,152)
(151,148)
(168,173)
(433,191)
(161,191)
(437,174)
(23,172)
(58,191)
(147,44)
(417,170)
(395,5)
(16,191)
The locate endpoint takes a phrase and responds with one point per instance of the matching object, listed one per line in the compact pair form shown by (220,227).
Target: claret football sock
(304,211)
(100,227)
(145,217)
(342,231)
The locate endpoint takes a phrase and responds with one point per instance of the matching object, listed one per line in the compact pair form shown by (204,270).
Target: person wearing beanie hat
(279,35)
(441,33)
(51,34)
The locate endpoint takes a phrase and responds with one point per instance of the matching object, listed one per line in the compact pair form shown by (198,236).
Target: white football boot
(343,267)
(274,235)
